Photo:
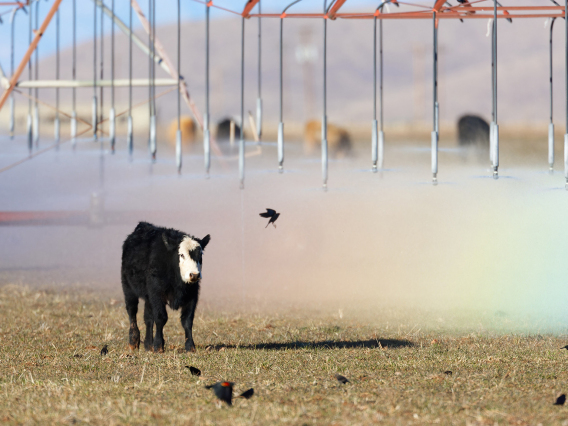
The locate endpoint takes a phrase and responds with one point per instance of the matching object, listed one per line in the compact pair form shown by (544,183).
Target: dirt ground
(51,370)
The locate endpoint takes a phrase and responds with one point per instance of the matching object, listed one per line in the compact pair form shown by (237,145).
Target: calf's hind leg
(160,318)
(131,302)
(149,321)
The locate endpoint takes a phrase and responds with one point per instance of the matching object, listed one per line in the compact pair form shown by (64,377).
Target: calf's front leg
(187,313)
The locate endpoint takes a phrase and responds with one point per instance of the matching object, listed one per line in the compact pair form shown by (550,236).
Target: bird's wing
(264,215)
(271,212)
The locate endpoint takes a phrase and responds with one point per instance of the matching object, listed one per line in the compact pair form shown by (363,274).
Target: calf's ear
(204,241)
(168,242)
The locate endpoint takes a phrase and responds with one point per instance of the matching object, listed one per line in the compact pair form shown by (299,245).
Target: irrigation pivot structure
(435,11)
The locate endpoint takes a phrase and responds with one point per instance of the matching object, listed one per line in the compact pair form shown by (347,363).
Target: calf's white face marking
(187,265)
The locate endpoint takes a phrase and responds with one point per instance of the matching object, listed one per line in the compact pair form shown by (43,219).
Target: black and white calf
(162,266)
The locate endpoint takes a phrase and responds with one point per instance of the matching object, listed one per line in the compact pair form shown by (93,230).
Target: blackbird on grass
(194,371)
(247,394)
(560,400)
(270,213)
(223,391)
(104,350)
(341,379)
(564,347)
(448,372)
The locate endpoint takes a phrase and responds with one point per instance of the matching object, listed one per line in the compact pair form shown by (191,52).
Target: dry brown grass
(51,370)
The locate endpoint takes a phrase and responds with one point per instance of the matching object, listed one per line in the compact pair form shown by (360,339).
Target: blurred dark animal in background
(224,130)
(161,266)
(473,135)
(473,130)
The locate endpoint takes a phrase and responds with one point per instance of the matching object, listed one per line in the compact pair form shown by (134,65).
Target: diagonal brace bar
(29,52)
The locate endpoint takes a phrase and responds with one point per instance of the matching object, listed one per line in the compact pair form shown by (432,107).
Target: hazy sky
(166,13)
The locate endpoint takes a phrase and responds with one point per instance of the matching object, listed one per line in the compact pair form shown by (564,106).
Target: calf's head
(190,256)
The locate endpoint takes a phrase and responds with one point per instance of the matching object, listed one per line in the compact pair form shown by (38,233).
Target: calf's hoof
(132,347)
(190,349)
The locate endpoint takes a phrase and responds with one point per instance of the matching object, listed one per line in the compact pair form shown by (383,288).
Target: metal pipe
(566,80)
(206,132)
(152,33)
(259,98)
(242,135)
(102,57)
(74,76)
(551,124)
(435,134)
(150,57)
(67,84)
(29,129)
(495,145)
(130,140)
(324,156)
(94,104)
(12,100)
(36,76)
(178,133)
(112,116)
(57,59)
(281,123)
(375,130)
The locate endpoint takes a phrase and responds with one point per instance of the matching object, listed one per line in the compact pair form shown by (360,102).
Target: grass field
(51,370)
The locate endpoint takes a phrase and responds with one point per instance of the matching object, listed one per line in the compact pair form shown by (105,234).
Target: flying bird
(560,400)
(341,379)
(194,371)
(247,394)
(270,213)
(104,350)
(223,391)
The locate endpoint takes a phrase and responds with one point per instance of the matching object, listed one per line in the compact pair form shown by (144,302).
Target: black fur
(150,270)
(473,130)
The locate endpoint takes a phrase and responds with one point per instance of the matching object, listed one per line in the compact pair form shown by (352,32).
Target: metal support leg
(130,137)
(56,133)
(12,117)
(551,147)
(36,126)
(153,137)
(206,143)
(29,131)
(495,155)
(324,156)
(375,145)
(434,136)
(74,128)
(178,150)
(242,133)
(94,118)
(435,132)
(259,118)
(112,128)
(280,144)
(566,80)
